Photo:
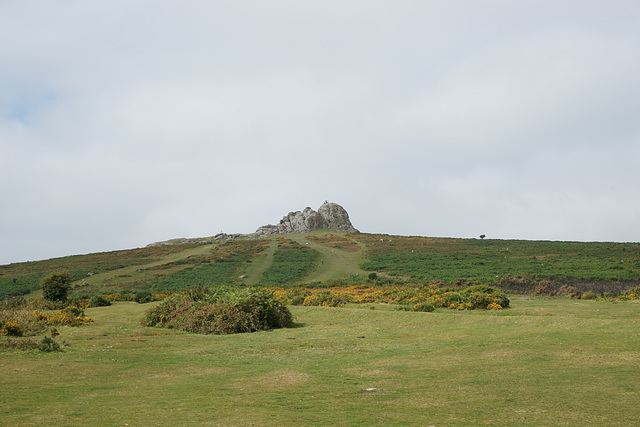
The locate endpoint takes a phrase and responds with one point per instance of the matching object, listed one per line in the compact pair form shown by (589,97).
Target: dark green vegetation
(221,310)
(490,261)
(56,286)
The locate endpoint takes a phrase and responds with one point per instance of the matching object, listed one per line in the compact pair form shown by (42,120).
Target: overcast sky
(128,122)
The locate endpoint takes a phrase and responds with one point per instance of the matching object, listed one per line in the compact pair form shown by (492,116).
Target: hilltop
(328,216)
(323,246)
(325,255)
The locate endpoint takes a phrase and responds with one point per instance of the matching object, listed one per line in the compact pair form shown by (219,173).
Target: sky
(126,122)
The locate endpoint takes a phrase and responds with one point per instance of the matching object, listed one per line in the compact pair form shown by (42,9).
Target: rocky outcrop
(329,215)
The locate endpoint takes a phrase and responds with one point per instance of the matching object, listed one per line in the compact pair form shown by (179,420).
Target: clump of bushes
(99,301)
(220,311)
(420,297)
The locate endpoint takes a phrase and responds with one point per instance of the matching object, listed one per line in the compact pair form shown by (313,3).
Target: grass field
(543,362)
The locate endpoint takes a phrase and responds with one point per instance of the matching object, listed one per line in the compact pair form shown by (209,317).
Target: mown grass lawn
(542,362)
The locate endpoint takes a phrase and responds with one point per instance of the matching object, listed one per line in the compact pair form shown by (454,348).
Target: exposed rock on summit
(329,215)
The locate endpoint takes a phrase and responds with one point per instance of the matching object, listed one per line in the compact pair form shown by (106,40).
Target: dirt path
(335,263)
(257,268)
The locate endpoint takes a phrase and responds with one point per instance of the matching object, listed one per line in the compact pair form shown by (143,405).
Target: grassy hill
(324,256)
(542,361)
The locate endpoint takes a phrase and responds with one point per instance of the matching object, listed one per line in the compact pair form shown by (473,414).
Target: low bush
(99,301)
(11,329)
(571,290)
(48,344)
(544,287)
(221,311)
(142,297)
(424,307)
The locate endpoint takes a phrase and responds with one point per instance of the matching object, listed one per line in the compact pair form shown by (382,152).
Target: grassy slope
(336,263)
(542,362)
(128,276)
(255,270)
(484,260)
(418,257)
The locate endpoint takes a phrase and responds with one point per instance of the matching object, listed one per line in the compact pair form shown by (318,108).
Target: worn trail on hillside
(334,263)
(257,268)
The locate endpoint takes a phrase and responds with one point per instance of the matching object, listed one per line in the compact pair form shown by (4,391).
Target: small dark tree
(482,236)
(56,286)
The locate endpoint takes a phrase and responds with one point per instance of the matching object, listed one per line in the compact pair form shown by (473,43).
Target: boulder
(337,217)
(329,215)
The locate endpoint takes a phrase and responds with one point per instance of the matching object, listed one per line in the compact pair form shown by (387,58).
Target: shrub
(373,276)
(48,344)
(423,306)
(12,329)
(544,287)
(589,295)
(142,297)
(480,296)
(452,298)
(56,286)
(221,312)
(569,290)
(99,301)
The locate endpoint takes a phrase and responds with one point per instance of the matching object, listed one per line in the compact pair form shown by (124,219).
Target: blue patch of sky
(21,109)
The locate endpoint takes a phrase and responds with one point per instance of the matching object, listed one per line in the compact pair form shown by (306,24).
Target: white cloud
(123,123)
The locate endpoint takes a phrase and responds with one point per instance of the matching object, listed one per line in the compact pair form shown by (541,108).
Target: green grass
(450,260)
(335,262)
(291,263)
(542,362)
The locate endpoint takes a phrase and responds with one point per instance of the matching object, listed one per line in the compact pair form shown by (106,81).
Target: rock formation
(329,215)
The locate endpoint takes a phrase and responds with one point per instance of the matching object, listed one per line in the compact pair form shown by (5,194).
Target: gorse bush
(221,311)
(422,297)
(11,329)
